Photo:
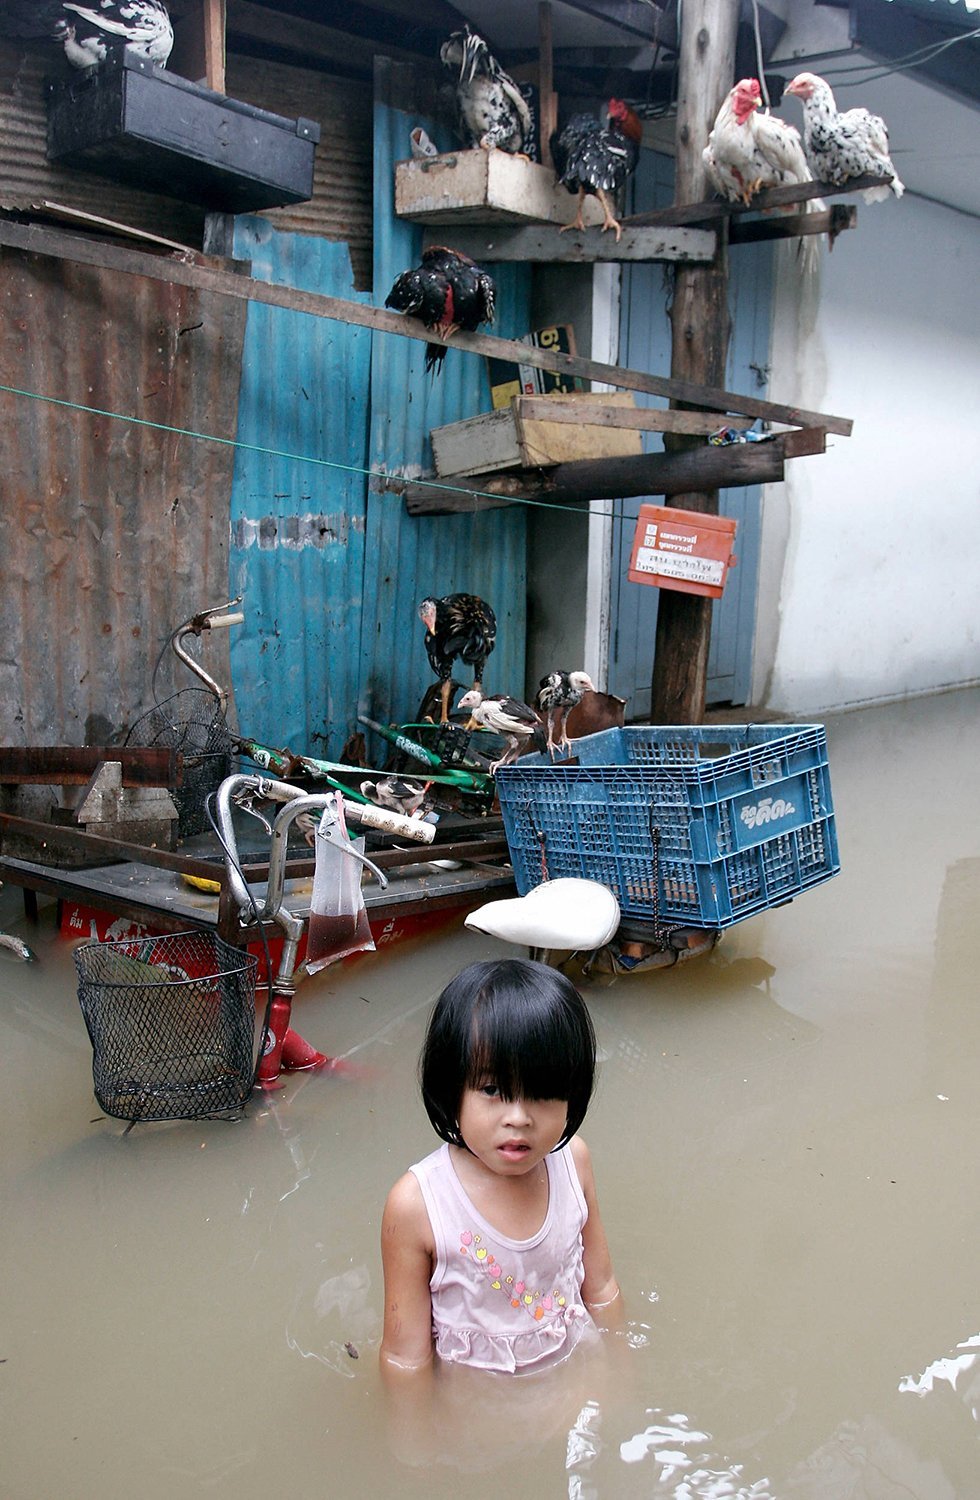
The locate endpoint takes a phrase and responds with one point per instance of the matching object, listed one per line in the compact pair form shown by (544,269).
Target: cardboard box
(511,439)
(484,187)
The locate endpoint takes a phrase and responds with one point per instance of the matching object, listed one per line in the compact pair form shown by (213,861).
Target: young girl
(493,1250)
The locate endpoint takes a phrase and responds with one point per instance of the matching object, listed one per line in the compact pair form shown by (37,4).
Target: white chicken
(491,108)
(748,151)
(507,716)
(841,146)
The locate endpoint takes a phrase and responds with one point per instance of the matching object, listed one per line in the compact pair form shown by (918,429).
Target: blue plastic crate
(744,813)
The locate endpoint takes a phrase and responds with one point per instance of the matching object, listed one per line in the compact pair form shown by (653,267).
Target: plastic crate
(744,814)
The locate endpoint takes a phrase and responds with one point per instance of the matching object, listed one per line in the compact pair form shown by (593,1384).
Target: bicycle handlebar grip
(389,822)
(217,622)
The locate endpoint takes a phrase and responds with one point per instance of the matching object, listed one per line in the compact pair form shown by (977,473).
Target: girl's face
(510,1136)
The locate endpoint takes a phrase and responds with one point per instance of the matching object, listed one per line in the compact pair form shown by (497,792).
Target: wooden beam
(547,98)
(832,221)
(603,478)
(38,239)
(638,419)
(718,208)
(73,765)
(550,245)
(214,45)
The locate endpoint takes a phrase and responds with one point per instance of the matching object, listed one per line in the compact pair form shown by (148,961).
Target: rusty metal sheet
(114,532)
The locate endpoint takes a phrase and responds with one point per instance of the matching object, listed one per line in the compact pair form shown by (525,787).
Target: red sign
(682,549)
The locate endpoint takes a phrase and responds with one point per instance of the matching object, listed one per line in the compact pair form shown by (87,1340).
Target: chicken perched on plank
(597,159)
(91,33)
(841,146)
(557,695)
(507,716)
(491,108)
(748,151)
(448,291)
(459,626)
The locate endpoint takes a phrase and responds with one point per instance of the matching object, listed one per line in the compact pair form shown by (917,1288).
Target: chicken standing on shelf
(448,291)
(841,146)
(91,33)
(457,626)
(491,108)
(748,151)
(507,716)
(557,695)
(591,158)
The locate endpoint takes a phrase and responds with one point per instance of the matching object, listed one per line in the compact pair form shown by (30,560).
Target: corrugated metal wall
(297,529)
(340,208)
(332,574)
(113,533)
(481,553)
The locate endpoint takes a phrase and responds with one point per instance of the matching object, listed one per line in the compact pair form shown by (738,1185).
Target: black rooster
(459,625)
(90,33)
(593,158)
(448,291)
(491,108)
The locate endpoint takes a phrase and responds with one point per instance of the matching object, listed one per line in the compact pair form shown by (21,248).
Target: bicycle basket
(172,1024)
(191,722)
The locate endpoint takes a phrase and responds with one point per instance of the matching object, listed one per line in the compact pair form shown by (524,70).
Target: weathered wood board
(484,187)
(522,436)
(546,244)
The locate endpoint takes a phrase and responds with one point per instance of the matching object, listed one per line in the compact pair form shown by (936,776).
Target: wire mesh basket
(190,721)
(171,1020)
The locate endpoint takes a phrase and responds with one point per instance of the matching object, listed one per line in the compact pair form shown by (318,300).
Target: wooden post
(699,348)
(547,98)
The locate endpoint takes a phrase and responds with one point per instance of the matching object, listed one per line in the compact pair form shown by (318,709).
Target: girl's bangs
(523,1054)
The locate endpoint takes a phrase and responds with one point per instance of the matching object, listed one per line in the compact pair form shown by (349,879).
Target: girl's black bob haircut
(513,1023)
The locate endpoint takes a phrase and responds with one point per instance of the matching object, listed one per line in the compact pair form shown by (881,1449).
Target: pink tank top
(497,1303)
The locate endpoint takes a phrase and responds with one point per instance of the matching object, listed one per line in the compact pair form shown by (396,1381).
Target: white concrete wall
(871,553)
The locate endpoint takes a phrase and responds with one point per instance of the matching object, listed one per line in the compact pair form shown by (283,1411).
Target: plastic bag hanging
(338,917)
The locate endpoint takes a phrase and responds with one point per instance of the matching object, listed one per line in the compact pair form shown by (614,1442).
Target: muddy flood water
(785,1137)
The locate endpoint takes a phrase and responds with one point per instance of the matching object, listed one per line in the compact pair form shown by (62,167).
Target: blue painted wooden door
(645,345)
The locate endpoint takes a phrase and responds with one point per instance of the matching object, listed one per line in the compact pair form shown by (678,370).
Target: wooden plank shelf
(696,469)
(543,243)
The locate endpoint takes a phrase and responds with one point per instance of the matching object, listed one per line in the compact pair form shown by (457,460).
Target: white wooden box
(484,187)
(510,439)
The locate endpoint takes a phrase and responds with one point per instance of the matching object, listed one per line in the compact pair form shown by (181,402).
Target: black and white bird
(447,292)
(397,795)
(491,108)
(841,145)
(458,627)
(89,33)
(557,695)
(507,716)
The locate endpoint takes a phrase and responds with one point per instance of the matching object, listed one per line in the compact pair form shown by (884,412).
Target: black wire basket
(192,722)
(172,1024)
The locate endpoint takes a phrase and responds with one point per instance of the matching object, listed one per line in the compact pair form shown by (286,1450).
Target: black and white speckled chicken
(597,159)
(397,795)
(458,626)
(448,291)
(840,146)
(507,716)
(491,108)
(557,695)
(91,33)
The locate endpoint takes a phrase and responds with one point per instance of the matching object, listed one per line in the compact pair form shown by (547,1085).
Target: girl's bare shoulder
(405,1210)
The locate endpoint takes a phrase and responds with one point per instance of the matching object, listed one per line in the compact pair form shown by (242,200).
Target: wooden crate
(484,187)
(512,439)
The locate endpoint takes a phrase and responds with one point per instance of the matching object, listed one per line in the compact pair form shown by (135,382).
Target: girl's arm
(600,1289)
(407,1253)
